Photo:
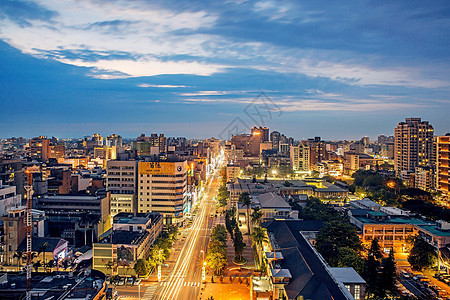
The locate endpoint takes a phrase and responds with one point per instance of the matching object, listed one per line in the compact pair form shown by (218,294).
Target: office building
(300,157)
(57,151)
(121,182)
(144,144)
(263,132)
(162,187)
(114,140)
(39,148)
(413,146)
(443,163)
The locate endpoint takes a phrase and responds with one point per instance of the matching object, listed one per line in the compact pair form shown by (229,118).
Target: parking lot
(422,286)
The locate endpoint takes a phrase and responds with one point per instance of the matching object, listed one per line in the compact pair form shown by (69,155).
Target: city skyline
(191,68)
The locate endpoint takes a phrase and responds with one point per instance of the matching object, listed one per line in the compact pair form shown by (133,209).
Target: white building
(8,198)
(300,157)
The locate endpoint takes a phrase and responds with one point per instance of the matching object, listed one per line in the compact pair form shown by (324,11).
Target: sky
(335,69)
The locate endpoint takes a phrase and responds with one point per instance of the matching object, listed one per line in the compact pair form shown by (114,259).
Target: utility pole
(29,229)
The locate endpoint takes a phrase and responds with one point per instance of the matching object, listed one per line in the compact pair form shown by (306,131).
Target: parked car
(130,280)
(121,281)
(405,274)
(137,281)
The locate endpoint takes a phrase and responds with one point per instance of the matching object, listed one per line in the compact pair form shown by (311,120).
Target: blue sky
(336,69)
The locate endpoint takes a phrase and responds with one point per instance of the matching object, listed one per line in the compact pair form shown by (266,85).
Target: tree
(19,255)
(37,265)
(43,250)
(245,199)
(388,276)
(219,233)
(259,237)
(422,254)
(141,267)
(216,261)
(348,257)
(373,266)
(340,234)
(239,244)
(256,215)
(230,221)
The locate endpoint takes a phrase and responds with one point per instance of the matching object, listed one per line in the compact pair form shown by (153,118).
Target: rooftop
(347,275)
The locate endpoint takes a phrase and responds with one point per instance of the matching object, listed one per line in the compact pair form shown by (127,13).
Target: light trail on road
(188,255)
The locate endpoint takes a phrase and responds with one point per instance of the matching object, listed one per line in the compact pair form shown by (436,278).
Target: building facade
(443,163)
(121,182)
(163,188)
(300,157)
(413,146)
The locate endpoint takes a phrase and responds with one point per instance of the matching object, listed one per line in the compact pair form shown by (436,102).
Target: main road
(185,279)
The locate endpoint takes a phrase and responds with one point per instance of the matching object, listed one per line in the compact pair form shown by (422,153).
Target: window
(357,292)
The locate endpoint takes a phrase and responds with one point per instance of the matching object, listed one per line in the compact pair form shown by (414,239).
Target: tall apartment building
(114,140)
(275,139)
(413,146)
(317,150)
(263,132)
(443,163)
(162,187)
(105,152)
(300,157)
(39,148)
(424,178)
(121,182)
(144,144)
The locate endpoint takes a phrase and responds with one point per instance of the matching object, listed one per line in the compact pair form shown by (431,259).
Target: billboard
(150,167)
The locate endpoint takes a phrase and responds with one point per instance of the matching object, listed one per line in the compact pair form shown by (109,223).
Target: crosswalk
(150,292)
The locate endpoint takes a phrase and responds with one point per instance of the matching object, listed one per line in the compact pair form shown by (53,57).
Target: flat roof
(347,275)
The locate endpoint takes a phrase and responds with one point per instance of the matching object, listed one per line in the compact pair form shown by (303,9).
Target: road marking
(150,292)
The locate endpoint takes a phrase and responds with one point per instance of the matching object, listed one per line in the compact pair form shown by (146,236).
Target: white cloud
(145,85)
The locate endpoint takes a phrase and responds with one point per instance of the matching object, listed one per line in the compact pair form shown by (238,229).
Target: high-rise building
(443,163)
(162,188)
(121,181)
(300,157)
(114,140)
(413,146)
(263,132)
(40,148)
(275,139)
(144,144)
(57,151)
(317,150)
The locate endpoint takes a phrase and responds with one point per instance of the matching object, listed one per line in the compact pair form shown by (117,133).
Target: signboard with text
(156,168)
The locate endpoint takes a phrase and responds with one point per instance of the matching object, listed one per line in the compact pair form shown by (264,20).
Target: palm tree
(257,215)
(42,250)
(20,254)
(244,198)
(37,265)
(259,237)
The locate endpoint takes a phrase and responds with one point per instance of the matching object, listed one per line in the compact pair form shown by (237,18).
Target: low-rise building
(296,270)
(131,239)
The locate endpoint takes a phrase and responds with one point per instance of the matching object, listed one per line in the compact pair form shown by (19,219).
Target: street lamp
(203,267)
(159,266)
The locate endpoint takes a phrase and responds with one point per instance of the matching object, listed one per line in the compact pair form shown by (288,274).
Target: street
(185,278)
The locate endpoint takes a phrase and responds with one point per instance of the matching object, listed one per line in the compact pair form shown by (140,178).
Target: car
(137,281)
(405,274)
(116,280)
(129,280)
(121,281)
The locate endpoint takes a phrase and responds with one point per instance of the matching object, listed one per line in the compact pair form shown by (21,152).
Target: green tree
(141,267)
(245,199)
(348,257)
(19,255)
(239,244)
(334,235)
(37,265)
(259,237)
(219,233)
(256,216)
(422,254)
(216,261)
(388,276)
(373,267)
